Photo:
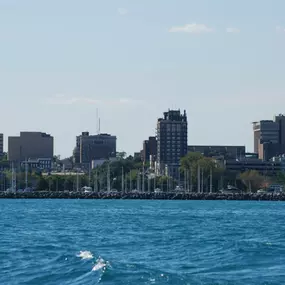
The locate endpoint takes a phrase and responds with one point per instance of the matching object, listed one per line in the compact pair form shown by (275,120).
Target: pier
(143,196)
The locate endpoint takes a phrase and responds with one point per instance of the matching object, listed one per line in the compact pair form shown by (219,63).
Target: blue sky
(223,61)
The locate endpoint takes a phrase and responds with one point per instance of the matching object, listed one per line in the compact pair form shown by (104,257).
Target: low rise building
(93,147)
(44,164)
(227,151)
(271,168)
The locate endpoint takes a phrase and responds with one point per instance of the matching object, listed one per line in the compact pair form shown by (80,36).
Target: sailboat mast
(26,173)
(185,180)
(123,190)
(190,181)
(96,181)
(89,177)
(202,182)
(77,181)
(143,186)
(13,182)
(108,179)
(12,177)
(211,180)
(198,179)
(138,181)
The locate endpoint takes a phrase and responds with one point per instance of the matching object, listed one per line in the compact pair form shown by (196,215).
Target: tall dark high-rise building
(280,120)
(149,149)
(269,137)
(1,144)
(172,144)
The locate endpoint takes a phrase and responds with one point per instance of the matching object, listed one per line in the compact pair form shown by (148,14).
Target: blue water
(59,242)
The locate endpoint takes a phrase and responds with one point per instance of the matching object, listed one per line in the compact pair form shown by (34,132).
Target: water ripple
(77,242)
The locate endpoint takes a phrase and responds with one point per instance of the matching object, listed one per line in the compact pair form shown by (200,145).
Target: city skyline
(222,62)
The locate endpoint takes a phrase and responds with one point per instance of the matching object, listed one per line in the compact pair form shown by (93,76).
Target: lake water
(76,242)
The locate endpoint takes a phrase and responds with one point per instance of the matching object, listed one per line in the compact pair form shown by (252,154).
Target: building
(280,120)
(138,155)
(94,147)
(38,164)
(270,168)
(1,144)
(149,149)
(30,145)
(66,164)
(227,151)
(99,162)
(269,137)
(172,137)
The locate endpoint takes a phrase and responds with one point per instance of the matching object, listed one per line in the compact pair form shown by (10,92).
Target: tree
(121,155)
(192,161)
(42,184)
(280,178)
(252,179)
(4,157)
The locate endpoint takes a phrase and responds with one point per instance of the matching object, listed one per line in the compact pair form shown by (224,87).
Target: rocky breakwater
(143,196)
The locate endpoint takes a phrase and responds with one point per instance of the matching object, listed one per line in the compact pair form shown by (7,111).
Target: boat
(157,191)
(86,189)
(114,191)
(230,190)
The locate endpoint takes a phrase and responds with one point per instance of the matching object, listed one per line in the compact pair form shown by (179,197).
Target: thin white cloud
(280,29)
(61,99)
(123,11)
(233,30)
(192,29)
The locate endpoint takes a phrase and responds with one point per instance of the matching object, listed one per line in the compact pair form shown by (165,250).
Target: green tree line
(134,171)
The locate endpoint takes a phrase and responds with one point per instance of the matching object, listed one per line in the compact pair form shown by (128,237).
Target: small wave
(85,255)
(100,264)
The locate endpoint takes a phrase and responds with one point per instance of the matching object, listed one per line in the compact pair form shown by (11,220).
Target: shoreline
(143,196)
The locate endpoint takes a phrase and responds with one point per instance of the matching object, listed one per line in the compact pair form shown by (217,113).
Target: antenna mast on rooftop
(97,123)
(99,127)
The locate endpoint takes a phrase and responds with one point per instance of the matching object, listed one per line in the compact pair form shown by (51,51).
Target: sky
(222,61)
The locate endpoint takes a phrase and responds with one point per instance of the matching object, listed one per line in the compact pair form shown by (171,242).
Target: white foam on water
(85,255)
(100,264)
